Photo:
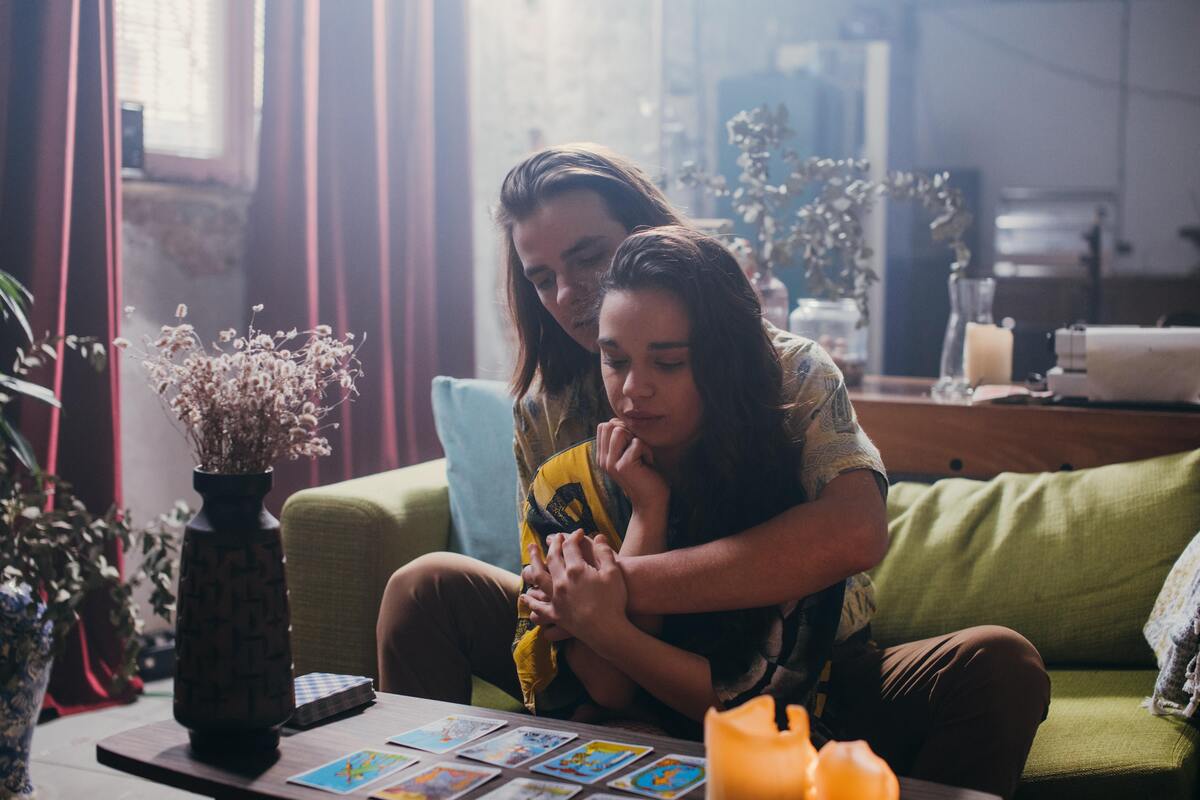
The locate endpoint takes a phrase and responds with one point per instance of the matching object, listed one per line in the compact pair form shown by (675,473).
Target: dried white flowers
(251,400)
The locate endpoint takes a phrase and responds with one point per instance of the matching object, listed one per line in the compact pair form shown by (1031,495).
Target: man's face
(564,246)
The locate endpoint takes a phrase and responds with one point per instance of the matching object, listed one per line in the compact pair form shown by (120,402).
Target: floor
(64,763)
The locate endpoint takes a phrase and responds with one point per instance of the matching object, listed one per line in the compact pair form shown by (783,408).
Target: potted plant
(815,214)
(244,403)
(54,552)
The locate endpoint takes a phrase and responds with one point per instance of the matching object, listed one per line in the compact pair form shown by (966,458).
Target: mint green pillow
(475,425)
(1072,560)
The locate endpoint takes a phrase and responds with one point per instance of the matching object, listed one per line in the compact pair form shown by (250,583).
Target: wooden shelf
(918,436)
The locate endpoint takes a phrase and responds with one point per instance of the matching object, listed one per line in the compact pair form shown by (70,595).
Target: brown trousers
(960,709)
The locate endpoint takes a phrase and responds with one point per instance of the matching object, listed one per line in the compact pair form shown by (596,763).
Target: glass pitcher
(970,301)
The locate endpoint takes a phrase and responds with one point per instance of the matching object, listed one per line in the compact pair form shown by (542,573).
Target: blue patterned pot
(22,687)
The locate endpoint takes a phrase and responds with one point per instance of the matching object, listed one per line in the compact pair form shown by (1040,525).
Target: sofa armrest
(342,543)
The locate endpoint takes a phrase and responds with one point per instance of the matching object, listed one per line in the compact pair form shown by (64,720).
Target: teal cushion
(474,423)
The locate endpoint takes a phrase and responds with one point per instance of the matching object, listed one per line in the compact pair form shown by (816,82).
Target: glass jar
(833,324)
(773,295)
(970,301)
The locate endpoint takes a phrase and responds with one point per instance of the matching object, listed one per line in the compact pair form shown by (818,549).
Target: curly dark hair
(631,198)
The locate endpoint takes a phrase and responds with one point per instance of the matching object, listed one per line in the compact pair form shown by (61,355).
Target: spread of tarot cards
(447,733)
(667,777)
(593,761)
(347,773)
(438,782)
(517,747)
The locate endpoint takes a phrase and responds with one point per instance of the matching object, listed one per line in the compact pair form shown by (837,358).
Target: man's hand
(587,589)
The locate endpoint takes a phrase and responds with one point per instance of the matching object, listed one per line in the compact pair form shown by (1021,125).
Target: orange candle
(749,758)
(851,771)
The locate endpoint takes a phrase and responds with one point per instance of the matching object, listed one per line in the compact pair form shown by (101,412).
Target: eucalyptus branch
(816,212)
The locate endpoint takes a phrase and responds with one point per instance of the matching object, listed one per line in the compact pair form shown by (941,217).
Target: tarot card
(517,747)
(345,774)
(590,762)
(447,733)
(439,782)
(668,777)
(529,789)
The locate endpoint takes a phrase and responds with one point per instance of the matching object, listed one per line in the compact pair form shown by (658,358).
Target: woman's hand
(630,462)
(587,591)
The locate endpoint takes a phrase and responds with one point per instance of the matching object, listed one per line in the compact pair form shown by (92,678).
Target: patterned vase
(22,687)
(233,673)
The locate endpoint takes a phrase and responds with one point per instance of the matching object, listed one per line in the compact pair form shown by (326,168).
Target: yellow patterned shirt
(786,656)
(822,423)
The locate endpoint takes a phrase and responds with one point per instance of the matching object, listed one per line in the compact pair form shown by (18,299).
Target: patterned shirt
(821,422)
(782,651)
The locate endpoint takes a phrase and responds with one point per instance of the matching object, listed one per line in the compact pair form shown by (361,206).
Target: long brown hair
(631,198)
(743,468)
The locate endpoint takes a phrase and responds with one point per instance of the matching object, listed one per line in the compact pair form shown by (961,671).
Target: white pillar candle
(987,354)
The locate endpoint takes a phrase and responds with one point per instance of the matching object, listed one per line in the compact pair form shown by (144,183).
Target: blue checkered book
(320,695)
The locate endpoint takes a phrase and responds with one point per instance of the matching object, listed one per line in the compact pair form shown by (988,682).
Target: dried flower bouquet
(251,400)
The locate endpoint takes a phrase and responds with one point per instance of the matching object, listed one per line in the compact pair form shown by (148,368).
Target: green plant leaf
(13,299)
(29,389)
(19,444)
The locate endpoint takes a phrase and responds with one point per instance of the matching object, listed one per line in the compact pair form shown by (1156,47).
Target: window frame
(236,164)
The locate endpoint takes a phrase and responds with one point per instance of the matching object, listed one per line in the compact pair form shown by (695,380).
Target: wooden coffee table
(159,752)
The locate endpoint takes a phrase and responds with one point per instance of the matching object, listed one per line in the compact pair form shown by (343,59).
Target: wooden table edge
(115,752)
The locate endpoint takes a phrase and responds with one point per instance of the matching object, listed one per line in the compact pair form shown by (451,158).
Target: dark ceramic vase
(233,673)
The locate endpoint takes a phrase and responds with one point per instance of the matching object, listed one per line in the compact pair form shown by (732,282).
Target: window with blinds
(195,67)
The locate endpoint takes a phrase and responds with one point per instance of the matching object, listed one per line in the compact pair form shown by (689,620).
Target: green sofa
(1072,560)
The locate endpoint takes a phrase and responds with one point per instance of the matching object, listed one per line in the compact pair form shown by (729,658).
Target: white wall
(1025,125)
(550,72)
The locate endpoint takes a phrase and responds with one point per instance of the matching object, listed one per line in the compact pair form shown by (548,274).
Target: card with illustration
(518,746)
(439,782)
(344,775)
(447,733)
(529,789)
(668,777)
(590,762)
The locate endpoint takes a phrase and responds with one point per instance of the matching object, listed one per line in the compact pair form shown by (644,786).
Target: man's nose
(568,292)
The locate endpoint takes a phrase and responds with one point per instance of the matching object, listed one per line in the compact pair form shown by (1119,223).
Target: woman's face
(564,246)
(646,362)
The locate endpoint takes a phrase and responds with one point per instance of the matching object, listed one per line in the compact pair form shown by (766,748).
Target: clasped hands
(576,589)
(579,586)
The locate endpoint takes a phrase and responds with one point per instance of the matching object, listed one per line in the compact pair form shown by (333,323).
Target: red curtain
(60,211)
(362,214)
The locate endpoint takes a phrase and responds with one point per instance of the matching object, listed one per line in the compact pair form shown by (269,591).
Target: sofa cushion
(1072,560)
(486,695)
(1098,742)
(474,423)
